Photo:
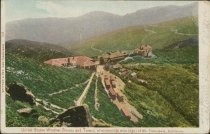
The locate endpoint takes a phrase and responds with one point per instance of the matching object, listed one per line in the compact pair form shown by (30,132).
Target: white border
(204,65)
(2,65)
(204,86)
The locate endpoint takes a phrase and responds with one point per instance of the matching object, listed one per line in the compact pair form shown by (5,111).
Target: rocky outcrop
(19,92)
(78,116)
(43,119)
(25,111)
(100,123)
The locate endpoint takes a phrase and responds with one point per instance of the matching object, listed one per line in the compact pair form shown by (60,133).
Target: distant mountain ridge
(40,51)
(68,31)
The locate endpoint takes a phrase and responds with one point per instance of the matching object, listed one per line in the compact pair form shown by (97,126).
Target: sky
(22,9)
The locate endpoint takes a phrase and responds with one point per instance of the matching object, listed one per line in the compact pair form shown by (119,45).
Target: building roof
(112,92)
(114,54)
(77,60)
(145,47)
(107,82)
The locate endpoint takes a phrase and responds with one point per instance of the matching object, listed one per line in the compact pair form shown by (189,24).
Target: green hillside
(42,80)
(106,108)
(37,50)
(13,119)
(171,93)
(169,98)
(158,36)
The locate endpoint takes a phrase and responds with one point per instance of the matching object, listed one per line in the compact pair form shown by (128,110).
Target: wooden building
(144,50)
(112,56)
(77,61)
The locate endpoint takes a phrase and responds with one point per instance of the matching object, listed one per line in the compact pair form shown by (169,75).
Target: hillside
(164,89)
(37,50)
(158,36)
(68,31)
(163,100)
(42,80)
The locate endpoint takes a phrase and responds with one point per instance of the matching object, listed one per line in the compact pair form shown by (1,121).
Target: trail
(81,99)
(97,104)
(64,90)
(175,31)
(179,33)
(149,30)
(146,36)
(95,49)
(49,106)
(162,26)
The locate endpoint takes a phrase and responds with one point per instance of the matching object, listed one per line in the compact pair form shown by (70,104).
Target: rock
(7,88)
(142,81)
(100,123)
(66,124)
(19,92)
(78,116)
(117,66)
(133,74)
(25,111)
(43,120)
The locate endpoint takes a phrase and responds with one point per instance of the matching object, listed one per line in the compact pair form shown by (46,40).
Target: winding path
(146,36)
(179,33)
(96,49)
(49,106)
(65,90)
(175,31)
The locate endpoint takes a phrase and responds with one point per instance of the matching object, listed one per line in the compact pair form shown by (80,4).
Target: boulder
(19,92)
(78,116)
(43,120)
(133,74)
(100,123)
(25,111)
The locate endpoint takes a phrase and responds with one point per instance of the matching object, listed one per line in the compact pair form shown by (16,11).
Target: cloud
(52,8)
(71,8)
(63,9)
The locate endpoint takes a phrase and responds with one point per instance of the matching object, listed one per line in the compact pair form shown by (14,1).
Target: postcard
(105,66)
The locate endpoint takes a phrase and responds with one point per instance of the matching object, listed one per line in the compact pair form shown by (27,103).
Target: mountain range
(69,31)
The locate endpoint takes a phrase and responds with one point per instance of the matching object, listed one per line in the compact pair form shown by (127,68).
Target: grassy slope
(107,110)
(173,69)
(178,86)
(41,80)
(13,119)
(156,110)
(36,50)
(171,96)
(164,101)
(132,37)
(187,55)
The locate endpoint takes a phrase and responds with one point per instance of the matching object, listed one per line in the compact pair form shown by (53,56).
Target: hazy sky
(20,9)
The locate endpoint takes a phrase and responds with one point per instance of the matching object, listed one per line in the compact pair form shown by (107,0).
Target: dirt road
(49,106)
(95,49)
(65,90)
